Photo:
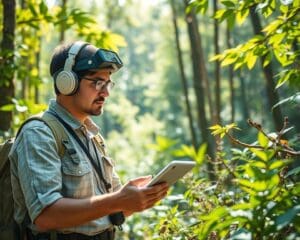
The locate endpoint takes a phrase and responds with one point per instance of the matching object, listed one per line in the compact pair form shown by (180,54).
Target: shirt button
(79,172)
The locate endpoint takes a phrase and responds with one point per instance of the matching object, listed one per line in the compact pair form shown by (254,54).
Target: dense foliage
(255,196)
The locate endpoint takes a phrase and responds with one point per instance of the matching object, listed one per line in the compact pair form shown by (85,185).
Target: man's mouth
(100,100)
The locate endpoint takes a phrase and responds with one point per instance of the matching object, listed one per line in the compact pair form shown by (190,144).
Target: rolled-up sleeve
(39,167)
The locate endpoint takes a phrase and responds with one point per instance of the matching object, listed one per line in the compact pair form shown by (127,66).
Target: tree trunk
(217,117)
(230,77)
(273,97)
(243,97)
(63,25)
(24,78)
(183,76)
(36,85)
(198,71)
(7,63)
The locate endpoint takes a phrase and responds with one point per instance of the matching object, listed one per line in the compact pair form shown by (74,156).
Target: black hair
(60,56)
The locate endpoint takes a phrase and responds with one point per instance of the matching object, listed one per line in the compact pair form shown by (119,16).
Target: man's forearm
(67,212)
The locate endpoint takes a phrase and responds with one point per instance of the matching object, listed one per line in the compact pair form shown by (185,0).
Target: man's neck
(69,106)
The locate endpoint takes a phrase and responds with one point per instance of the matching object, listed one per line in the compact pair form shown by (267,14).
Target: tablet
(172,172)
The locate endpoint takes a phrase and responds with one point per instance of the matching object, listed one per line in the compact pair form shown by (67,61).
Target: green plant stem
(283,150)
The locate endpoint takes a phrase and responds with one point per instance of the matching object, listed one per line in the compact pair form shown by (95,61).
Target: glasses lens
(110,85)
(100,85)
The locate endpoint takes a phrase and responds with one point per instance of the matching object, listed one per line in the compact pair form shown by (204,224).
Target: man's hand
(136,197)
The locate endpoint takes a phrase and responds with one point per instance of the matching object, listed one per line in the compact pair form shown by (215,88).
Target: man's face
(89,100)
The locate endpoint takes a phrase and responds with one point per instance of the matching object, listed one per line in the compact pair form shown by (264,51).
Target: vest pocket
(73,166)
(71,163)
(77,175)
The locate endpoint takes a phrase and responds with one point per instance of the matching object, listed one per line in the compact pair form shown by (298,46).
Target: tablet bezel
(172,172)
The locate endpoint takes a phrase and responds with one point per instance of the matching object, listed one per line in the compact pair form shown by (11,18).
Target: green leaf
(32,9)
(260,154)
(293,172)
(287,218)
(259,164)
(228,4)
(251,59)
(277,164)
(269,29)
(216,57)
(285,77)
(219,14)
(229,59)
(262,140)
(238,64)
(267,59)
(231,21)
(215,127)
(43,8)
(201,153)
(7,108)
(276,39)
(242,15)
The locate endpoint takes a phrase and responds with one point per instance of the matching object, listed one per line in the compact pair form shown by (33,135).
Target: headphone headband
(72,53)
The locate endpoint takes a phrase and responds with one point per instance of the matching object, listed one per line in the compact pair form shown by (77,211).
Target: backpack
(8,227)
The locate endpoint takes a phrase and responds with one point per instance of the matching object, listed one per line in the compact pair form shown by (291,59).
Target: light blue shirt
(40,177)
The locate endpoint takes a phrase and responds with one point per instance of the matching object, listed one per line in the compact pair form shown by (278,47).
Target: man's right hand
(136,197)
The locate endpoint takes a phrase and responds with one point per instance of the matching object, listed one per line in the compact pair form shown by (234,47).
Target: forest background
(194,71)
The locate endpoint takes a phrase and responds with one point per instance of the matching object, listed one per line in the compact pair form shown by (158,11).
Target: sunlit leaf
(262,139)
(216,57)
(242,15)
(251,59)
(7,108)
(201,153)
(277,164)
(259,153)
(229,59)
(276,39)
(271,27)
(219,14)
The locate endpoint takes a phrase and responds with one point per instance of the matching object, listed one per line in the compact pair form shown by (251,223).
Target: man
(73,196)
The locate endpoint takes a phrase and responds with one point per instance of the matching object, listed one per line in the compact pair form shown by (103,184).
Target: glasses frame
(108,85)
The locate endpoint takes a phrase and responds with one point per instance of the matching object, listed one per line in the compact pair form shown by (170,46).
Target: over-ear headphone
(67,81)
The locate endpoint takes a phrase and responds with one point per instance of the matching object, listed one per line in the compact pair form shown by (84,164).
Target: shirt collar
(89,124)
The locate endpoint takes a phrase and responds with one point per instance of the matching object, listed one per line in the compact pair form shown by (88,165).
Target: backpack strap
(57,129)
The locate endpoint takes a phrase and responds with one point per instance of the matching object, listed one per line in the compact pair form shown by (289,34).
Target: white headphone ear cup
(66,82)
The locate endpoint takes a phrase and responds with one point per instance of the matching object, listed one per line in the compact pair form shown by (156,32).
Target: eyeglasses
(100,84)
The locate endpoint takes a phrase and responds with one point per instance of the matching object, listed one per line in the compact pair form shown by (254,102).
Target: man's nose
(104,91)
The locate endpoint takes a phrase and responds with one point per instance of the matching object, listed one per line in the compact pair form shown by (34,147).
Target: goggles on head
(101,59)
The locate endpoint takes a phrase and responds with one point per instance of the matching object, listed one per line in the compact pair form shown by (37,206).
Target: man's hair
(60,56)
